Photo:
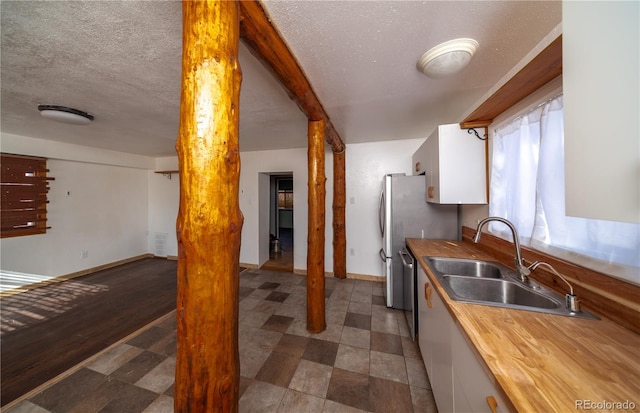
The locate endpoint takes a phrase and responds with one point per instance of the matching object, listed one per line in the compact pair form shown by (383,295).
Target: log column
(339,230)
(209,218)
(315,242)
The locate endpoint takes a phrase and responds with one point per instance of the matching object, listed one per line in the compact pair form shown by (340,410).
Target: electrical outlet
(352,251)
(84,254)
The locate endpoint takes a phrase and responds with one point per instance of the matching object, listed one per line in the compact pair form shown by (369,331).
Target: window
(527,188)
(24,184)
(285,193)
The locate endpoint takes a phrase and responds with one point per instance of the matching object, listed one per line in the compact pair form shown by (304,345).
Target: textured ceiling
(121,62)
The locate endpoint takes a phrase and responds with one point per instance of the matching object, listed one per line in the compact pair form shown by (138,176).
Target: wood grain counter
(543,362)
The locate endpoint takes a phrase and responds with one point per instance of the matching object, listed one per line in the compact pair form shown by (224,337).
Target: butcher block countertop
(543,362)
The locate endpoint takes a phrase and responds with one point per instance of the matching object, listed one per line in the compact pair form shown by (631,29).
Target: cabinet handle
(493,404)
(427,294)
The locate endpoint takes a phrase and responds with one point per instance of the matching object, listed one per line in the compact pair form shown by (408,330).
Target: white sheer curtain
(527,188)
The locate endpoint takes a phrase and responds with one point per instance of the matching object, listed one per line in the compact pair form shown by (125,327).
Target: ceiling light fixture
(65,114)
(447,58)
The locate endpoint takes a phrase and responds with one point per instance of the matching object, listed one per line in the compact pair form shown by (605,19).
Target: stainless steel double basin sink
(492,283)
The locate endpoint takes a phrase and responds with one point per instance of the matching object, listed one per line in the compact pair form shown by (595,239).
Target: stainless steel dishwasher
(409,264)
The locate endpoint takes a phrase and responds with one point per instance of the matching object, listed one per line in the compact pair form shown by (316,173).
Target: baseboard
(366,277)
(363,277)
(74,275)
(250,266)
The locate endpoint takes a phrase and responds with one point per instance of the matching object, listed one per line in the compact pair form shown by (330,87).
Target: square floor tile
(422,400)
(349,388)
(261,397)
(332,332)
(113,359)
(138,366)
(295,401)
(269,286)
(160,378)
(311,378)
(277,323)
(352,358)
(292,345)
(416,373)
(130,399)
(410,348)
(278,369)
(245,291)
(71,391)
(149,337)
(320,351)
(356,337)
(334,407)
(360,321)
(277,296)
(386,343)
(389,396)
(360,308)
(163,404)
(387,324)
(388,366)
(28,407)
(378,300)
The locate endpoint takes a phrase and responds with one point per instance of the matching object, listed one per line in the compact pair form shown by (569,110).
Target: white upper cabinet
(454,162)
(601,82)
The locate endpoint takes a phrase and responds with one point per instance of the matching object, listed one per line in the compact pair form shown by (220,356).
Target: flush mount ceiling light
(447,58)
(65,114)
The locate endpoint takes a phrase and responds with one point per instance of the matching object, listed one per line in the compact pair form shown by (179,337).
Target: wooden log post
(264,42)
(315,242)
(209,218)
(339,229)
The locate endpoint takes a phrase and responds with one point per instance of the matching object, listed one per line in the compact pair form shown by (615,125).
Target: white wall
(164,200)
(94,207)
(116,212)
(254,202)
(366,164)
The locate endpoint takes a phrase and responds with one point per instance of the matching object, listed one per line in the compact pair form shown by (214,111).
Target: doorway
(280,223)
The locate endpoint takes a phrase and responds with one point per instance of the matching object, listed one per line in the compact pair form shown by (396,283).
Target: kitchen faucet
(571,302)
(521,268)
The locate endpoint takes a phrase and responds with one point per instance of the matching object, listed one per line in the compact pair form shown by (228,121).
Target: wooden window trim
(25,185)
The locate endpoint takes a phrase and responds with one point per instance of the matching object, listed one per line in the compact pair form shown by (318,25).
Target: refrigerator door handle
(383,256)
(403,253)
(381,214)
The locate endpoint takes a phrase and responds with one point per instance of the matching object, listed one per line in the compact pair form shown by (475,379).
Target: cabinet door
(456,170)
(601,135)
(472,385)
(425,319)
(441,363)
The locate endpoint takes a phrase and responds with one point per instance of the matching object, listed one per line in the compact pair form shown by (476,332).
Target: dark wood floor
(50,329)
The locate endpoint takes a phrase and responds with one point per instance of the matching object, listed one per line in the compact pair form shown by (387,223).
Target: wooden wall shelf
(167,174)
(545,67)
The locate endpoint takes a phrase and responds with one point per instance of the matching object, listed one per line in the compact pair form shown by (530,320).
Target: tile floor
(363,362)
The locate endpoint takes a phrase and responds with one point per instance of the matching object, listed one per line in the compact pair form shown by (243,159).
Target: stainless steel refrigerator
(404,213)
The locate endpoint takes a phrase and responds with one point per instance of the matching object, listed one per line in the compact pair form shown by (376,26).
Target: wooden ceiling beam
(546,66)
(265,43)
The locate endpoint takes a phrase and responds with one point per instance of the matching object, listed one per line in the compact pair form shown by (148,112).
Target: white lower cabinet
(472,386)
(434,326)
(457,378)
